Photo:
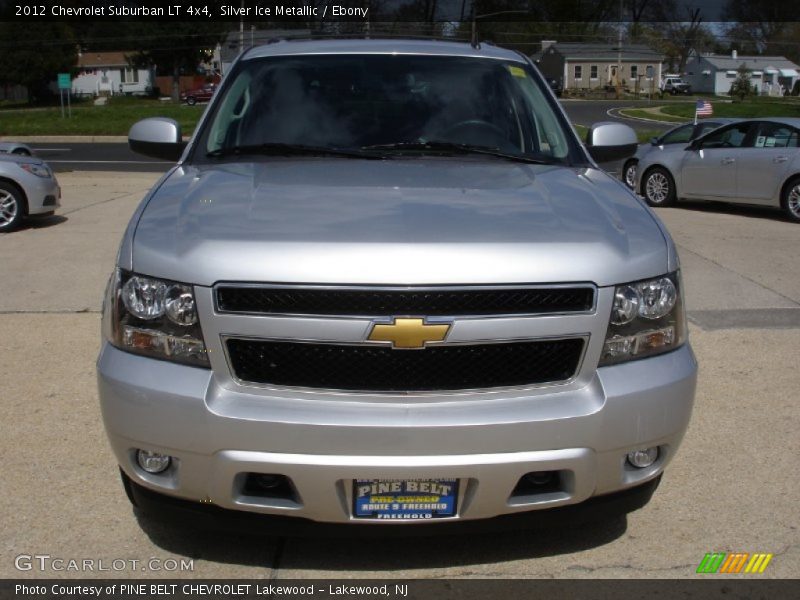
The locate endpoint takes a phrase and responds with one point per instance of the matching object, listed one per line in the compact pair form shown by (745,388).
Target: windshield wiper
(281,149)
(453,147)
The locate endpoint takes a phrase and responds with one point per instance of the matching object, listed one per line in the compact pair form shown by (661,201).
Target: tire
(12,206)
(658,187)
(21,152)
(629,173)
(790,199)
(127,484)
(191,100)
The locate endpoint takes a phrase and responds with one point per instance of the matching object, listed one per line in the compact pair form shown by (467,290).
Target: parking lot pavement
(732,487)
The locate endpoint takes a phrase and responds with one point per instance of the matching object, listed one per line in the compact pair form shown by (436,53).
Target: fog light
(153,462)
(642,459)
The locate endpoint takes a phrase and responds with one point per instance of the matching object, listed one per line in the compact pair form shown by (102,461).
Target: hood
(398,221)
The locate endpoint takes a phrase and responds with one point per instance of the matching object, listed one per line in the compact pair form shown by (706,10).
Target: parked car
(386,283)
(15,148)
(28,188)
(201,94)
(675,85)
(682,134)
(556,86)
(753,161)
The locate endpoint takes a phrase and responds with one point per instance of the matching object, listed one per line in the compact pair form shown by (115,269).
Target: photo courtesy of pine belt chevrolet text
(386,287)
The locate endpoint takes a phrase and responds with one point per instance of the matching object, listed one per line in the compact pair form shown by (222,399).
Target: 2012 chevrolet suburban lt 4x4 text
(386,284)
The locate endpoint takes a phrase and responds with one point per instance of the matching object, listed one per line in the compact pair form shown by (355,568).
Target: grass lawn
(115,118)
(644,135)
(762,107)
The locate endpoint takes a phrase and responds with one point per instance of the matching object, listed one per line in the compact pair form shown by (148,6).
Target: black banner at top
(375,11)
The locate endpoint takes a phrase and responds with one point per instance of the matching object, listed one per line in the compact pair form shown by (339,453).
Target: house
(236,41)
(589,66)
(110,73)
(714,74)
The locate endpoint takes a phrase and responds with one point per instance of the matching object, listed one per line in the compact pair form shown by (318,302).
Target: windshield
(386,103)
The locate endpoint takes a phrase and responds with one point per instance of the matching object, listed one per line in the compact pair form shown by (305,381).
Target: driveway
(732,488)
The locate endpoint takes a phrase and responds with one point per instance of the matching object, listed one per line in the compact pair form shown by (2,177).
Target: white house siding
(604,74)
(764,73)
(108,81)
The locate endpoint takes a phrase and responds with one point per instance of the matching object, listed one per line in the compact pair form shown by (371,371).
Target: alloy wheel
(630,175)
(657,188)
(793,201)
(8,208)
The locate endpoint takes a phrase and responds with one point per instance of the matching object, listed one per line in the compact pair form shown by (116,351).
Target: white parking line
(112,162)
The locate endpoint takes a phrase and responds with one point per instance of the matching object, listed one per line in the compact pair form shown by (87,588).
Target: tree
(741,86)
(35,59)
(174,48)
(675,33)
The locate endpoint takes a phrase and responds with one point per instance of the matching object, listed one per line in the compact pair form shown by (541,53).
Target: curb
(621,113)
(66,139)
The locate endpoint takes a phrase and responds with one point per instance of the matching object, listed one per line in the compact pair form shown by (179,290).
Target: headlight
(153,317)
(647,318)
(38,170)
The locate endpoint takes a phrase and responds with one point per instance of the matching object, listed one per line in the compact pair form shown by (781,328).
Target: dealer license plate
(404,499)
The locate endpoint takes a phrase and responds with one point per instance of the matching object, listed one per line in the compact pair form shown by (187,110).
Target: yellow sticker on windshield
(517,71)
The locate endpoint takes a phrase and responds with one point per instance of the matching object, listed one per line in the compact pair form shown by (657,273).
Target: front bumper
(43,194)
(218,432)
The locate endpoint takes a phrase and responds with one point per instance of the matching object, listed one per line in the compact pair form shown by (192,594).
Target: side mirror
(157,137)
(693,145)
(608,141)
(654,141)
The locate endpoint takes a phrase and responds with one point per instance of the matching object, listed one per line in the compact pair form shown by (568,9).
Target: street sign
(64,82)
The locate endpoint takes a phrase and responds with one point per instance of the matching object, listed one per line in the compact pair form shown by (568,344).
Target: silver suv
(386,284)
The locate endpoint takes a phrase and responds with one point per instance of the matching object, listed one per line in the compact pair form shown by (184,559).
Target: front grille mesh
(409,301)
(382,369)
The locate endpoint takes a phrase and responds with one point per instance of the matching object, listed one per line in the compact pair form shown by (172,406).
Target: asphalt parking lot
(732,488)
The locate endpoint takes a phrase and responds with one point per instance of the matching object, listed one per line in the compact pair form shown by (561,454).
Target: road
(586,112)
(79,156)
(730,487)
(72,156)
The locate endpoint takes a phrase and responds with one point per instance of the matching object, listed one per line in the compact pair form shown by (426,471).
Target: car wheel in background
(191,100)
(629,173)
(790,201)
(12,206)
(658,187)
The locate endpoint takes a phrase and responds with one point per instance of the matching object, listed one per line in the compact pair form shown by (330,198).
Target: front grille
(382,369)
(403,301)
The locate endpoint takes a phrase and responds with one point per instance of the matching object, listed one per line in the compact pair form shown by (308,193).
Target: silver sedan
(753,161)
(15,148)
(677,136)
(28,188)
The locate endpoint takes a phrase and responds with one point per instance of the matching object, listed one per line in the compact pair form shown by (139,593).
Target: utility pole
(619,52)
(241,28)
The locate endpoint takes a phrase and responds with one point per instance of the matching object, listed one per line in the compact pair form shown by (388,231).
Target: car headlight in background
(647,318)
(153,317)
(38,170)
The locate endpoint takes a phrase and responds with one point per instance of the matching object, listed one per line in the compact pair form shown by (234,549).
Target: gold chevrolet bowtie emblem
(408,333)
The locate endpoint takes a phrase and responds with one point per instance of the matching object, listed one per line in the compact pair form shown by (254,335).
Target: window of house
(634,72)
(593,72)
(130,75)
(650,70)
(578,72)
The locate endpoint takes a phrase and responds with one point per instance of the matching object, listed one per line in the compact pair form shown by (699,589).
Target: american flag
(703,108)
